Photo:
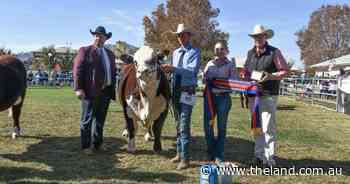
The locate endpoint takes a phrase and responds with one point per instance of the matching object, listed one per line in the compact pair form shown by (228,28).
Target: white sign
(344,84)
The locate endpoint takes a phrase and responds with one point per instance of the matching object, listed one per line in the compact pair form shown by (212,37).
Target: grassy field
(49,151)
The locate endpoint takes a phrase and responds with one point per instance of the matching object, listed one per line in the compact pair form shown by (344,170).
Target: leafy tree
(45,59)
(327,35)
(198,15)
(67,61)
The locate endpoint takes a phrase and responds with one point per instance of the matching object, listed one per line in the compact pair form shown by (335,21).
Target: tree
(327,35)
(46,58)
(198,15)
(67,62)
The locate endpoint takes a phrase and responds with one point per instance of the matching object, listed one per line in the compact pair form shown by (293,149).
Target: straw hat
(181,28)
(260,29)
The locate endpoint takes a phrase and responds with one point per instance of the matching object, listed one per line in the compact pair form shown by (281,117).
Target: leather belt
(188,89)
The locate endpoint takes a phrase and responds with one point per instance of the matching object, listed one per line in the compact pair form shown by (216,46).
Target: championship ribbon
(238,86)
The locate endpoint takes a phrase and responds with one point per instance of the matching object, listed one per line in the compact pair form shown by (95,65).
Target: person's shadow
(60,159)
(241,152)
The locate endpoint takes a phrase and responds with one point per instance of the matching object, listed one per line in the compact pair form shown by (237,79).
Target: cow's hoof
(16,133)
(125,133)
(148,137)
(157,149)
(131,146)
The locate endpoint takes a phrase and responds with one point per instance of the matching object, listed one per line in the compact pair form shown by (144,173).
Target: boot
(256,162)
(88,151)
(176,158)
(184,164)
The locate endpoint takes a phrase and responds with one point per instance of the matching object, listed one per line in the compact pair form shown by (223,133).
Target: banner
(233,85)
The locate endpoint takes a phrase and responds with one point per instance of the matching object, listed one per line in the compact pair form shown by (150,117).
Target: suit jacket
(89,73)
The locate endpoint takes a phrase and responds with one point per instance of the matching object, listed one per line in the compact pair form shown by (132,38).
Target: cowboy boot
(88,151)
(256,162)
(184,164)
(176,158)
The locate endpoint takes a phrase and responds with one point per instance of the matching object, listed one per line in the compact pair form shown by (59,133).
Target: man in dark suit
(94,84)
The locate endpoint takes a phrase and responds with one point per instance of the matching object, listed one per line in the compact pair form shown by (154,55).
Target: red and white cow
(144,93)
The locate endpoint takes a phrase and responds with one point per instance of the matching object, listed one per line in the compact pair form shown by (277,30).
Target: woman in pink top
(219,67)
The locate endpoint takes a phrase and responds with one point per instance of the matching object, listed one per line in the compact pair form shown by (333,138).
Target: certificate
(256,75)
(187,98)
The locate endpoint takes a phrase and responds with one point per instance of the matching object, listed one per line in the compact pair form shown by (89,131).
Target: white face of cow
(146,74)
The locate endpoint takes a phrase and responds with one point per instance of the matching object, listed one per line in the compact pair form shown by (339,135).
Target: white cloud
(127,25)
(232,27)
(124,16)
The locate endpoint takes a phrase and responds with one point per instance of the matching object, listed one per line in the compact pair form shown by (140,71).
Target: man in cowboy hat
(271,67)
(94,74)
(185,66)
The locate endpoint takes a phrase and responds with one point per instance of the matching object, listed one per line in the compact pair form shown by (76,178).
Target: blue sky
(32,24)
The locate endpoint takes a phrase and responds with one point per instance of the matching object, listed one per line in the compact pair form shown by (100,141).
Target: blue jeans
(183,129)
(93,115)
(222,106)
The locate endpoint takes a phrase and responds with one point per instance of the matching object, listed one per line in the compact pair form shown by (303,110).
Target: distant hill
(25,56)
(122,47)
(109,46)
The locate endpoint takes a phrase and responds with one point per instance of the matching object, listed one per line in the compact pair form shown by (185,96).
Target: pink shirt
(222,69)
(281,66)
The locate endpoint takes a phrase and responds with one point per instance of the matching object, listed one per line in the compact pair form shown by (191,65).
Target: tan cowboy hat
(260,29)
(181,28)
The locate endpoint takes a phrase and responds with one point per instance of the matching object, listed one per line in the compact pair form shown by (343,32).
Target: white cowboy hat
(260,29)
(182,29)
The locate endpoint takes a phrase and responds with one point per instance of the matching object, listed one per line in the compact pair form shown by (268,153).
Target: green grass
(49,151)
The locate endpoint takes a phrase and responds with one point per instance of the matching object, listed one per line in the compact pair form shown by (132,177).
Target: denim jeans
(93,115)
(222,105)
(183,128)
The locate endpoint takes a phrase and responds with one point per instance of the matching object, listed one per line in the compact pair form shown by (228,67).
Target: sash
(233,85)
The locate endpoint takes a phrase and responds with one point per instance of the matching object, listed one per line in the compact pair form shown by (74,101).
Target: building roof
(65,49)
(335,63)
(60,50)
(296,68)
(240,61)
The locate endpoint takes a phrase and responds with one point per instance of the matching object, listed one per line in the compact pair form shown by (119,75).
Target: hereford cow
(144,93)
(12,88)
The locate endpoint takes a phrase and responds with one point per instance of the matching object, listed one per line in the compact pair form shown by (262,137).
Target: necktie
(176,85)
(181,58)
(177,82)
(106,68)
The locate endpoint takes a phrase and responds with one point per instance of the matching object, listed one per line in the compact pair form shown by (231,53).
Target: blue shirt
(190,65)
